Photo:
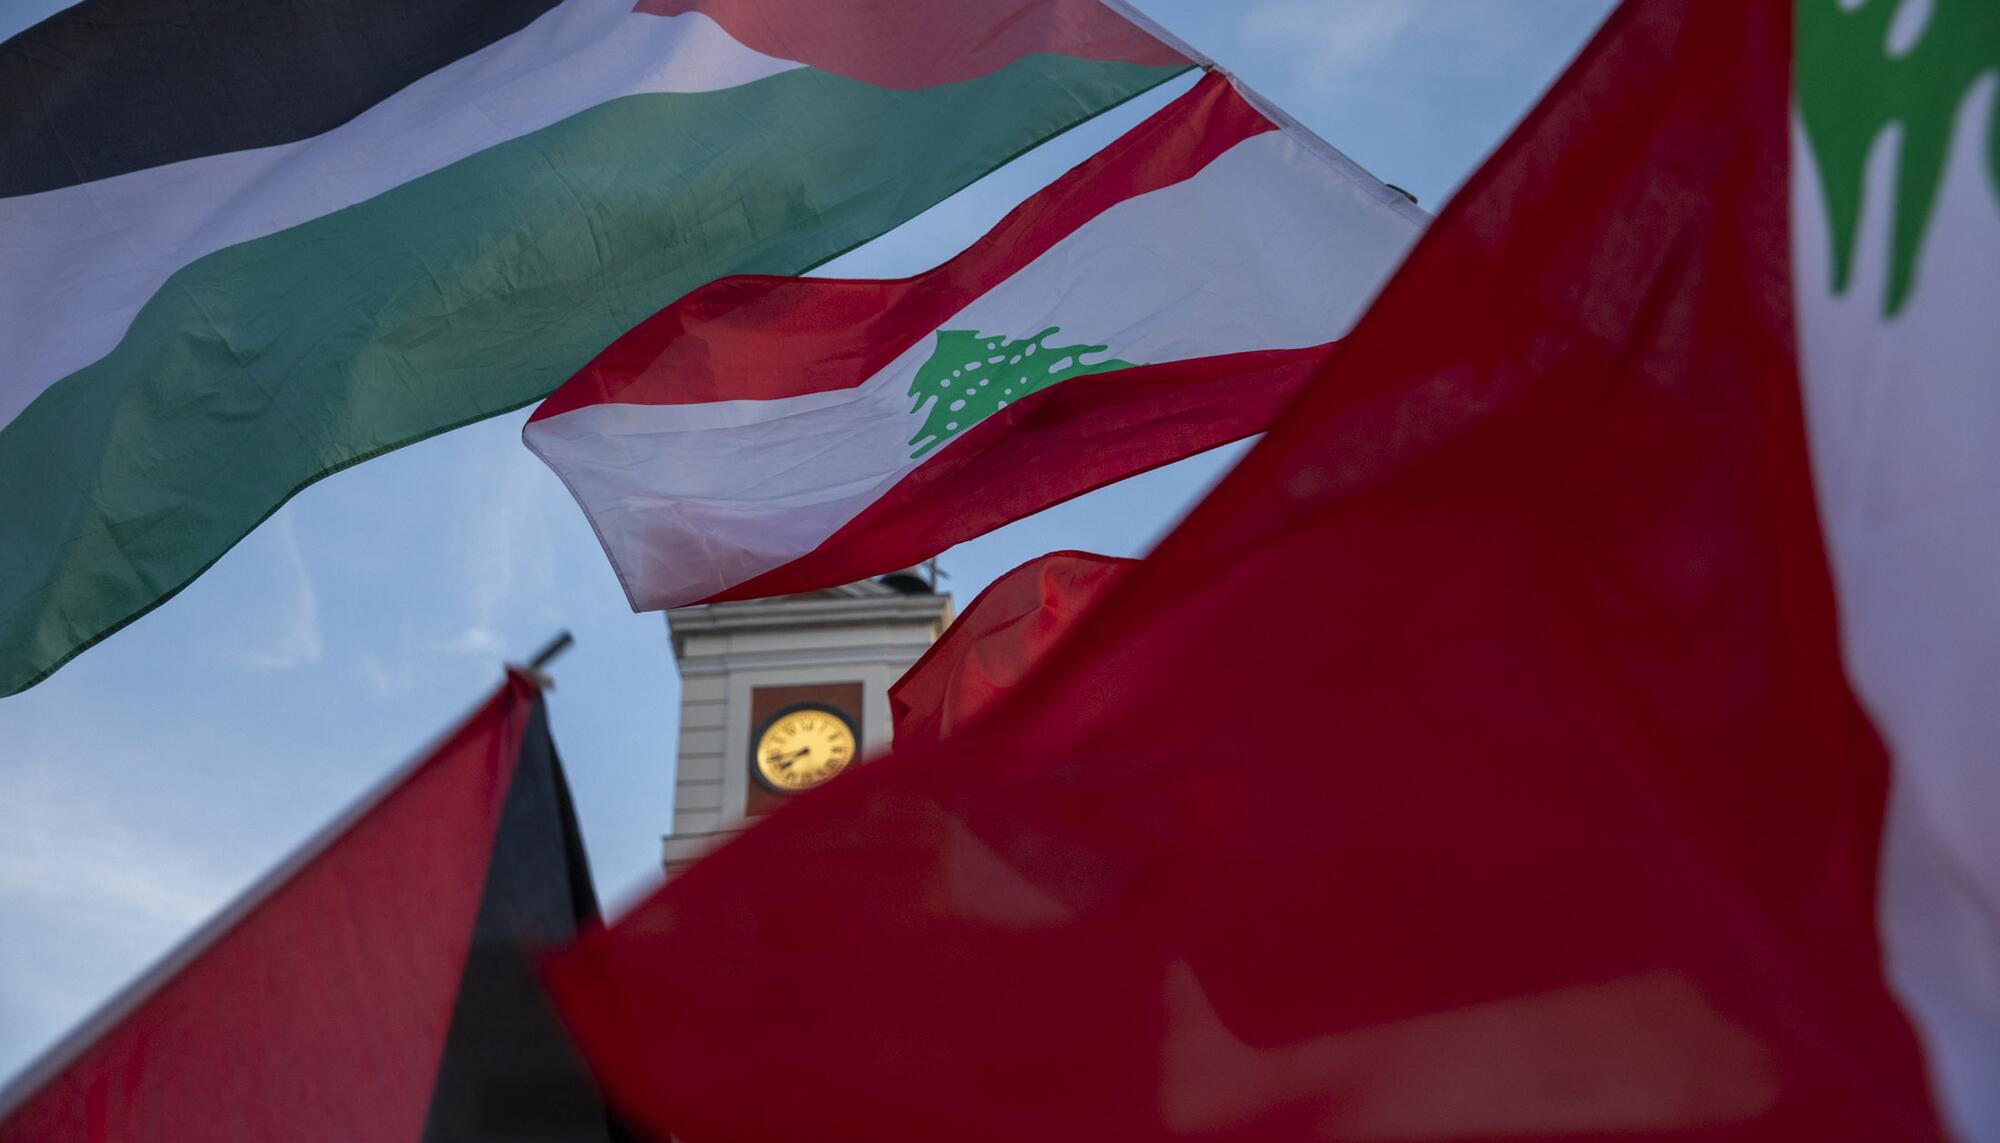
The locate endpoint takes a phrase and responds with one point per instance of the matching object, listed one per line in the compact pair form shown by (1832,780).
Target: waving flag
(247,246)
(1014,624)
(770,435)
(1484,758)
(378,987)
(1895,244)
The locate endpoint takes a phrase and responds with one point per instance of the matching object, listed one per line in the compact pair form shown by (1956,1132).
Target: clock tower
(781,695)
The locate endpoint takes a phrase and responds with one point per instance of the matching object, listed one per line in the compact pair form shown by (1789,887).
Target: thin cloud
(508,558)
(297,642)
(1371,44)
(88,904)
(57,849)
(1335,36)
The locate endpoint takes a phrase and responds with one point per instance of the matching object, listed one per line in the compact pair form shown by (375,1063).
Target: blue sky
(159,773)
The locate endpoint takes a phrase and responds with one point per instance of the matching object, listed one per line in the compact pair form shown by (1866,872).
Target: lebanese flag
(770,435)
(1490,756)
(378,986)
(248,245)
(985,653)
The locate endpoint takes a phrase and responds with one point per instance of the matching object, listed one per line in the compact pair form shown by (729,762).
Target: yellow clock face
(804,747)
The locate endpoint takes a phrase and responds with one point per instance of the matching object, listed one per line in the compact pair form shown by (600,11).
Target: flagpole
(550,650)
(533,669)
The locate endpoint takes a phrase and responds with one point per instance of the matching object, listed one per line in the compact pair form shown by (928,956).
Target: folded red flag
(1477,762)
(378,986)
(990,647)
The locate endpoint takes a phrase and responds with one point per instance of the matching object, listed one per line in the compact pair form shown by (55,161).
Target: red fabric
(922,43)
(756,337)
(1001,635)
(321,1012)
(1475,763)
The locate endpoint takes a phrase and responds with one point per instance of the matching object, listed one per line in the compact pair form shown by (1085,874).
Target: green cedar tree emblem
(1850,88)
(971,376)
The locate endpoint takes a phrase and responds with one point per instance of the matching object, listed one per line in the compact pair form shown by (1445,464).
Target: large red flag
(377,987)
(1477,762)
(990,647)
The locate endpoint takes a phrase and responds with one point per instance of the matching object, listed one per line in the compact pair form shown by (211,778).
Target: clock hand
(787,761)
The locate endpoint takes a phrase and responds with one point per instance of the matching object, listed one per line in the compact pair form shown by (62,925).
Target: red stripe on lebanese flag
(1176,288)
(893,43)
(1476,762)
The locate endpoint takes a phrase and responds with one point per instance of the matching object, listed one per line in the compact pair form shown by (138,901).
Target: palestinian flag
(1576,723)
(248,245)
(378,986)
(767,435)
(987,651)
